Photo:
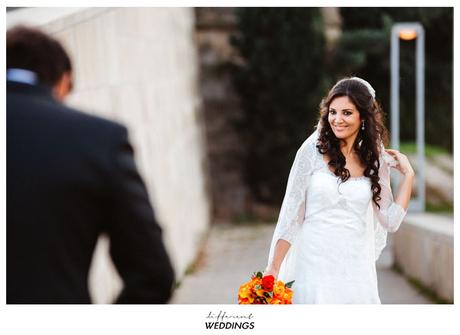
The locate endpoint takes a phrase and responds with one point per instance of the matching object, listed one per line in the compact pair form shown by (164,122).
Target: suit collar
(22,88)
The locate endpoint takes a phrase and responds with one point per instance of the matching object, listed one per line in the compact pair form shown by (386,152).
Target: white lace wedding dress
(335,230)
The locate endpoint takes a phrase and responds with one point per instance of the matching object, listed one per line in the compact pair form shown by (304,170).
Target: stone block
(424,249)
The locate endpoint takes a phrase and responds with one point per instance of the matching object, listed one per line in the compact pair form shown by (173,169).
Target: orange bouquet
(265,290)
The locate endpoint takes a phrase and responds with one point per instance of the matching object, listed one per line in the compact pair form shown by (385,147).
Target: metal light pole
(410,31)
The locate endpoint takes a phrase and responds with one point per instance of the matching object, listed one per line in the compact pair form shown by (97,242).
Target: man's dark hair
(31,49)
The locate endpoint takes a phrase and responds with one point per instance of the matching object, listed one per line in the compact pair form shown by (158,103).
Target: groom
(70,178)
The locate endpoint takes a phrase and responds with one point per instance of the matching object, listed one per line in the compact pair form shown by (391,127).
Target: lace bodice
(308,160)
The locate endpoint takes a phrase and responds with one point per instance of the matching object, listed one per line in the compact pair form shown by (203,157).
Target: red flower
(268,282)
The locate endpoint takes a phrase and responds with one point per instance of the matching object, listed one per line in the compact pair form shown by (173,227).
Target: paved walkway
(233,252)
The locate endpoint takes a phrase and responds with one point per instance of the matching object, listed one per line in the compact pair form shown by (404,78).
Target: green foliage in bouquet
(289,284)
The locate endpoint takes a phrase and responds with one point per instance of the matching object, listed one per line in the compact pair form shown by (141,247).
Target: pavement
(233,251)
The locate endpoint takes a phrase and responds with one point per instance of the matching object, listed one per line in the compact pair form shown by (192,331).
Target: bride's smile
(344,118)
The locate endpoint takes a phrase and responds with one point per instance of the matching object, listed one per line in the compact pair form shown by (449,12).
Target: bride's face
(344,118)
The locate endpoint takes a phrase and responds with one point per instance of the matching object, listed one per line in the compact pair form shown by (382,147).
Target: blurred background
(217,102)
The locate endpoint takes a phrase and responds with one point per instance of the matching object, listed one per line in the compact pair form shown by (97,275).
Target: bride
(339,205)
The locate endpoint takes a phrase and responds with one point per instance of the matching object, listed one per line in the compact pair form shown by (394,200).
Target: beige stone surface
(424,249)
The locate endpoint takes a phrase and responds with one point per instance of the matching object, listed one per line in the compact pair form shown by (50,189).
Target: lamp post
(410,31)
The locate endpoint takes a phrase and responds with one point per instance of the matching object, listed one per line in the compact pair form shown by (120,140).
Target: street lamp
(410,31)
(408,34)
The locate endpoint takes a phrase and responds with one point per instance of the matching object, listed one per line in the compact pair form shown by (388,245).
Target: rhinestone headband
(365,83)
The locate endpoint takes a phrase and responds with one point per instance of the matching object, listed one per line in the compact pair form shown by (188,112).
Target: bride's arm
(405,190)
(392,212)
(293,207)
(282,247)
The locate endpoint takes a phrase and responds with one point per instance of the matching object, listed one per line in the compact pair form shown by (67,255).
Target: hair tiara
(362,81)
(365,83)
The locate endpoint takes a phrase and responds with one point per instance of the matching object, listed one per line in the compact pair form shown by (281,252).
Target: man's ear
(63,86)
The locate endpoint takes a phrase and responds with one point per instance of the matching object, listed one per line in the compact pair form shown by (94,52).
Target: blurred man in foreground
(70,178)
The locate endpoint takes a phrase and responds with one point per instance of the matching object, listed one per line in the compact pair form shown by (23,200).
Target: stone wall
(424,250)
(139,66)
(214,26)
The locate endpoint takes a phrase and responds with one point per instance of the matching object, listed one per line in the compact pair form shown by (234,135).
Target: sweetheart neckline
(332,173)
(351,178)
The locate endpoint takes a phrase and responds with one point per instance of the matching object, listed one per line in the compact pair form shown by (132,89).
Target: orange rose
(279,289)
(260,292)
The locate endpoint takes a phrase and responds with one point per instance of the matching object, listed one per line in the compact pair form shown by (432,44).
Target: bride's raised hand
(402,162)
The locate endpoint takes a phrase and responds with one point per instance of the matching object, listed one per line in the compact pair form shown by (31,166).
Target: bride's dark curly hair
(367,143)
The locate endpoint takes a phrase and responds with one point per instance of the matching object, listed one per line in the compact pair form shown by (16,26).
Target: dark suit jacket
(71,177)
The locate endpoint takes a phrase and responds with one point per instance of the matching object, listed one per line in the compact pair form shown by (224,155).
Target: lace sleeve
(293,207)
(390,215)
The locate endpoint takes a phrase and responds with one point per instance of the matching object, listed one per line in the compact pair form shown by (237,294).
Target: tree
(280,83)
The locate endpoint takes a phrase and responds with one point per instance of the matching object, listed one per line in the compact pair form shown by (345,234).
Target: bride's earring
(362,126)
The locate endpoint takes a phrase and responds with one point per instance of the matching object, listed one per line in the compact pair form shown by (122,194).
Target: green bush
(280,84)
